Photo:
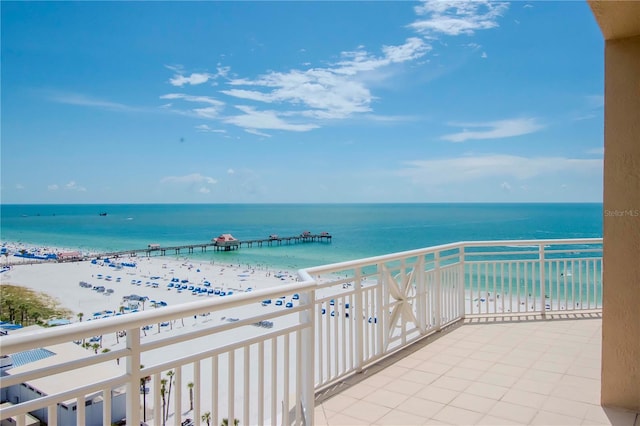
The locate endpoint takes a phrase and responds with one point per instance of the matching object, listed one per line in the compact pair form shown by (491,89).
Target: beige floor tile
(534,386)
(525,398)
(586,372)
(407,362)
(378,380)
(420,407)
(514,412)
(476,364)
(486,390)
(422,377)
(385,398)
(452,383)
(517,362)
(497,379)
(319,416)
(463,373)
(495,421)
(434,393)
(343,420)
(359,390)
(400,418)
(448,359)
(434,367)
(566,407)
(549,366)
(577,393)
(457,416)
(405,387)
(472,402)
(542,376)
(394,371)
(367,411)
(508,370)
(338,403)
(545,418)
(485,356)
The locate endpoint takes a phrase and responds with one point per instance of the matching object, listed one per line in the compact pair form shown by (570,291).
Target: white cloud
(230,171)
(72,186)
(334,92)
(180,78)
(253,119)
(211,111)
(52,187)
(474,168)
(195,178)
(505,186)
(257,133)
(207,129)
(484,55)
(84,100)
(193,79)
(495,129)
(204,190)
(191,98)
(455,17)
(19,186)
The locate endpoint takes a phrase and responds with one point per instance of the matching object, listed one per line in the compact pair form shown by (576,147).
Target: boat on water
(103,214)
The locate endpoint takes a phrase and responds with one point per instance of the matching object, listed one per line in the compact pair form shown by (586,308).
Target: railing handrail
(18,342)
(443,247)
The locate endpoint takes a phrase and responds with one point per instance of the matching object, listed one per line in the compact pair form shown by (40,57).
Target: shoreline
(145,276)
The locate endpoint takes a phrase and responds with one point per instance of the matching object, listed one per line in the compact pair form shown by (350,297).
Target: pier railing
(244,358)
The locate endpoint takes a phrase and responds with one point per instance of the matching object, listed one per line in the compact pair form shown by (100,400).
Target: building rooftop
(487,371)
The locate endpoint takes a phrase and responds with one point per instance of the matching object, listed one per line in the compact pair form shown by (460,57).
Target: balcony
(460,333)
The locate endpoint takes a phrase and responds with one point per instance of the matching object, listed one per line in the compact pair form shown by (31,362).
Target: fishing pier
(225,242)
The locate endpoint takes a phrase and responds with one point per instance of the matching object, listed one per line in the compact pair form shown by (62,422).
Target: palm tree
(170,375)
(225,422)
(190,386)
(206,417)
(163,394)
(143,389)
(80,315)
(95,347)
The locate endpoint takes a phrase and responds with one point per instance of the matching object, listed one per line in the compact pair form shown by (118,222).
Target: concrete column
(621,258)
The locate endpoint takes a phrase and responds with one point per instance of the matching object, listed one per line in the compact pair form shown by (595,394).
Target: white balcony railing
(263,364)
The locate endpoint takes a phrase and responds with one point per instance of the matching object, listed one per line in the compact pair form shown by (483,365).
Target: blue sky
(299,102)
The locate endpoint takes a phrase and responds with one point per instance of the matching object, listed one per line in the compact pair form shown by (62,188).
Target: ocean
(358,230)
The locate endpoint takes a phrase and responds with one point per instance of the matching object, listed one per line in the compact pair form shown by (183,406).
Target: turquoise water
(358,230)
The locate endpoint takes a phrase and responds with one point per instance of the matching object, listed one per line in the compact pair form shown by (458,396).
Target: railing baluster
(231,386)
(543,284)
(157,406)
(80,410)
(106,406)
(52,415)
(261,373)
(177,400)
(274,381)
(214,390)
(246,386)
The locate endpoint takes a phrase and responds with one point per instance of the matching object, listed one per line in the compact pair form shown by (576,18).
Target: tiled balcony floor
(486,372)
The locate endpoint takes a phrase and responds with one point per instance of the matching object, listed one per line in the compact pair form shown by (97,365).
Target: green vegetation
(27,307)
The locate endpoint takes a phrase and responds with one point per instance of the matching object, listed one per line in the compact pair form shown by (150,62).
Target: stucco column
(621,258)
